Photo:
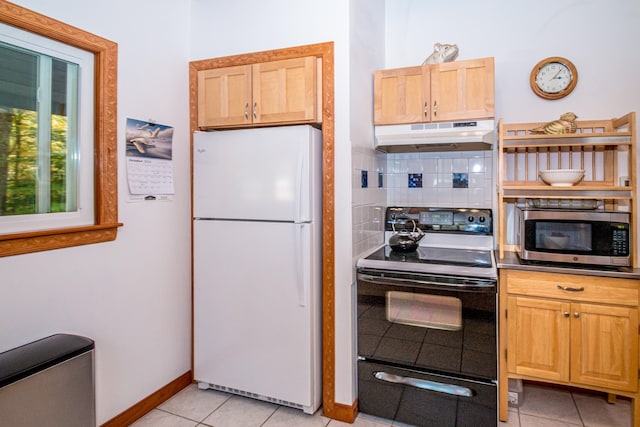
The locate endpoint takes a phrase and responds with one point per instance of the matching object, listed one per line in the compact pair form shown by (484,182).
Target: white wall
(366,55)
(600,38)
(132,296)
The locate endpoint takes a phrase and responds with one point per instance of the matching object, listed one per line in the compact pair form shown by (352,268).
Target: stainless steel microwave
(573,236)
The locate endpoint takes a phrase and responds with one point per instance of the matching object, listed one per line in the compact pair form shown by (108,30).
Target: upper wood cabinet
(462,90)
(401,95)
(224,96)
(286,91)
(457,90)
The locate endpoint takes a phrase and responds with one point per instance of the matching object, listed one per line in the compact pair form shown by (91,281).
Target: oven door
(430,324)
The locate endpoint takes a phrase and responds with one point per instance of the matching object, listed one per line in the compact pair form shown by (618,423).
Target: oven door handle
(397,280)
(425,384)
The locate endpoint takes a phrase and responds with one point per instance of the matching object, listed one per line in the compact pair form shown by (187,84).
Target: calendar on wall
(149,160)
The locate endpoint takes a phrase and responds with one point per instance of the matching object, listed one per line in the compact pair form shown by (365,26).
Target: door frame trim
(324,51)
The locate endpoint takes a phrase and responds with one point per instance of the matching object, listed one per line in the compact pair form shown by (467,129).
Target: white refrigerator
(257,263)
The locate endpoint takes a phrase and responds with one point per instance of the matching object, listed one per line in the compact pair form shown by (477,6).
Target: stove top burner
(466,252)
(430,260)
(442,256)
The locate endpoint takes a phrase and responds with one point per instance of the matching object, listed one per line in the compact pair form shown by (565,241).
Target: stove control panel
(462,220)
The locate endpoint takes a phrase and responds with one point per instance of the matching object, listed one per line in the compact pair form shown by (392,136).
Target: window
(46,140)
(58,162)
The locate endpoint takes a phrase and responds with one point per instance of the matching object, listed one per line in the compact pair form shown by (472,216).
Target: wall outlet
(513,397)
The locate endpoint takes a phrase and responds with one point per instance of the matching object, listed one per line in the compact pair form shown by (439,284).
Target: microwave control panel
(619,240)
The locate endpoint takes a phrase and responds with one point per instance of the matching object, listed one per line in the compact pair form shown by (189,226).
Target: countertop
(512,261)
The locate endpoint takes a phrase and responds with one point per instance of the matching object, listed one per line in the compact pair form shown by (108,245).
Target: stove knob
(470,219)
(482,219)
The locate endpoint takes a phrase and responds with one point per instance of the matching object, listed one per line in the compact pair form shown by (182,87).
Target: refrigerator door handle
(302,277)
(301,213)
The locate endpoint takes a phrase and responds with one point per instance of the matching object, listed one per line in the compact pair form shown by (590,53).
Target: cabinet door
(401,95)
(462,90)
(604,341)
(285,91)
(224,96)
(538,338)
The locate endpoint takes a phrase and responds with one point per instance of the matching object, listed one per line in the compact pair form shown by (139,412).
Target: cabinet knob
(576,314)
(435,108)
(426,109)
(566,314)
(255,110)
(246,111)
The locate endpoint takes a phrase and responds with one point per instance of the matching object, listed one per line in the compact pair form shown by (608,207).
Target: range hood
(445,136)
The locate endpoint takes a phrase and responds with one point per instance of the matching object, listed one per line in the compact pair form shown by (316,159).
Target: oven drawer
(399,394)
(573,287)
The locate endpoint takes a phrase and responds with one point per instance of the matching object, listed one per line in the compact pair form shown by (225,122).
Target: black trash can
(48,383)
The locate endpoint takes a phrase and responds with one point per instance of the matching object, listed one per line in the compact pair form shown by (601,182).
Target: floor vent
(251,395)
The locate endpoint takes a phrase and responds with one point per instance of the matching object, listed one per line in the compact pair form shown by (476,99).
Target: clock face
(553,78)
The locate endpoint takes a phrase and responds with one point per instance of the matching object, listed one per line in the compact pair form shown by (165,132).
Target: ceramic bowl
(562,177)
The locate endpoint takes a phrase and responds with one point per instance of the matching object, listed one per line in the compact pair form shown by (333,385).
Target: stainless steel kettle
(405,241)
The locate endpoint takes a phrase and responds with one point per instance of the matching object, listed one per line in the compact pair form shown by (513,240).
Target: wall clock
(553,78)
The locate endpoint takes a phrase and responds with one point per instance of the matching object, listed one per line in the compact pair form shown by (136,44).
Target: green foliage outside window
(19,184)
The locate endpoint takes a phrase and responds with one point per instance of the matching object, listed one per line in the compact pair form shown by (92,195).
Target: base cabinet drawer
(572,287)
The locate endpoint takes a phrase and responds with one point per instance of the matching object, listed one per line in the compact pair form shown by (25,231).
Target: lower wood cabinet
(584,344)
(569,329)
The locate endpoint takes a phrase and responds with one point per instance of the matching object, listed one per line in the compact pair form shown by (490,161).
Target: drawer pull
(453,389)
(570,289)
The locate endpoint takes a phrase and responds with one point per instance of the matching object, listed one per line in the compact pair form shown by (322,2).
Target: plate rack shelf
(604,149)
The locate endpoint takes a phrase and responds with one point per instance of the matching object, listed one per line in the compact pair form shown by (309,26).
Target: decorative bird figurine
(566,124)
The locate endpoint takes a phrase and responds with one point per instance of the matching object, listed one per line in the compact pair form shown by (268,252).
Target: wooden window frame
(105,134)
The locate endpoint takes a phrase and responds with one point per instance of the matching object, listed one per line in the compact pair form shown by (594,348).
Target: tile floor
(541,407)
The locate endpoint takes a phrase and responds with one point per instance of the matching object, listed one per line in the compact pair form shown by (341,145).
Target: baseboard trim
(345,413)
(138,410)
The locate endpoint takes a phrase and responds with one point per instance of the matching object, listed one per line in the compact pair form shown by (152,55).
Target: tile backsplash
(369,201)
(449,179)
(445,179)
